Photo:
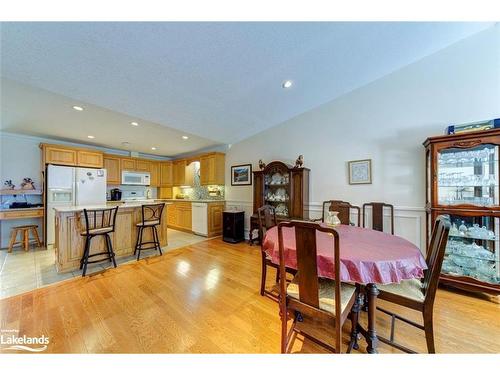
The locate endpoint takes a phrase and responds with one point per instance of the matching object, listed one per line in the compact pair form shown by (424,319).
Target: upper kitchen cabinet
(113,172)
(143,165)
(154,169)
(65,155)
(212,169)
(128,164)
(91,159)
(166,178)
(179,172)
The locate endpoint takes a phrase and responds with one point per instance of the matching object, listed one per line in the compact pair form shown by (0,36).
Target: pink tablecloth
(367,256)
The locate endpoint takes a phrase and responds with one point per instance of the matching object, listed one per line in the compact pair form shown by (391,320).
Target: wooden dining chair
(344,210)
(314,304)
(267,219)
(419,294)
(377,210)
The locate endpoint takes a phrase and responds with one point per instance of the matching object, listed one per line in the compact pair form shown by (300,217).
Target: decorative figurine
(262,165)
(9,184)
(28,184)
(299,162)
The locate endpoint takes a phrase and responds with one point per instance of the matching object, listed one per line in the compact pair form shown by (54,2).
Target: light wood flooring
(203,298)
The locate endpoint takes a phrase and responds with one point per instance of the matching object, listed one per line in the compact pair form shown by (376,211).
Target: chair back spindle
(152,212)
(435,256)
(377,210)
(100,218)
(267,219)
(344,210)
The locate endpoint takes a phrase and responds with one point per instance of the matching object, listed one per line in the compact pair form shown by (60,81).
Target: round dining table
(367,257)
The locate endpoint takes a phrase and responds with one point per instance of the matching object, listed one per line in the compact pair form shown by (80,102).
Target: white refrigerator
(70,186)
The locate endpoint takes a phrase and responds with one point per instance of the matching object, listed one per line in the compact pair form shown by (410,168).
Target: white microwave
(136,178)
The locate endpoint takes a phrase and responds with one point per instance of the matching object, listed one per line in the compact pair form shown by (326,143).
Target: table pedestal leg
(371,337)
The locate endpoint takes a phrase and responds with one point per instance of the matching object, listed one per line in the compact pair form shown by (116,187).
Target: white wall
(385,121)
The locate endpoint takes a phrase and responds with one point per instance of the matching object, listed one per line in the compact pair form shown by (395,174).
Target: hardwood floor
(204,298)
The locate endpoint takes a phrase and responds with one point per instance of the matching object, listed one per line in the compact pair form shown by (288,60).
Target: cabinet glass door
(473,248)
(468,176)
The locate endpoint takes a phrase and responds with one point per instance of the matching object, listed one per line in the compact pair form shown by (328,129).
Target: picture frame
(360,171)
(241,175)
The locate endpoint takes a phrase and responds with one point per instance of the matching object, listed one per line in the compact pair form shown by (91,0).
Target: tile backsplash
(197,191)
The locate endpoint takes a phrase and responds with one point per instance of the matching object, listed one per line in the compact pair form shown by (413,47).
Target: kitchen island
(70,223)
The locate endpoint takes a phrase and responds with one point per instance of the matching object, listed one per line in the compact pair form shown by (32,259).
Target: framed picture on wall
(241,175)
(360,172)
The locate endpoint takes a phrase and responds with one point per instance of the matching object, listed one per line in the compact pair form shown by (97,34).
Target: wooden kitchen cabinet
(179,216)
(143,165)
(127,164)
(58,155)
(166,177)
(179,172)
(113,171)
(90,159)
(154,169)
(212,169)
(215,211)
(72,156)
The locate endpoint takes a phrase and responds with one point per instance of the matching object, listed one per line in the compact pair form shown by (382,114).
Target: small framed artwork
(241,175)
(360,172)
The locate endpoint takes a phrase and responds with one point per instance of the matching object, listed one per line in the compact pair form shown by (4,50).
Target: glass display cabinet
(284,187)
(462,181)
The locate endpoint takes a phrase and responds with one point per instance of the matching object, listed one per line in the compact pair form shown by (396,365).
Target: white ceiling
(220,81)
(37,112)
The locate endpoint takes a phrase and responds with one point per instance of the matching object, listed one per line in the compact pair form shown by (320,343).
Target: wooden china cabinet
(284,187)
(462,181)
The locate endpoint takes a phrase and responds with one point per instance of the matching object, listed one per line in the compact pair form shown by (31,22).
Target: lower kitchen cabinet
(215,218)
(179,216)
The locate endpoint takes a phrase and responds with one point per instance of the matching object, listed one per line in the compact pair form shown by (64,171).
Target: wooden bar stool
(151,218)
(25,236)
(99,222)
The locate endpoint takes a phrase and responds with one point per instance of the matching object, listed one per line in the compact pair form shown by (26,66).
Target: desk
(20,213)
(367,257)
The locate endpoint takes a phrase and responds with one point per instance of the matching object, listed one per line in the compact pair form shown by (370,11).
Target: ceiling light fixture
(125,144)
(185,137)
(287,84)
(133,123)
(77,108)
(153,148)
(90,136)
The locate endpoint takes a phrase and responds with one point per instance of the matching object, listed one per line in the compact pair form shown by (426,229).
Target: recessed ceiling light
(185,137)
(153,148)
(133,123)
(287,84)
(90,136)
(77,108)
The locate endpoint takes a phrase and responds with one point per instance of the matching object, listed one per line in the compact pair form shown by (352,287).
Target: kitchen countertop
(100,207)
(169,200)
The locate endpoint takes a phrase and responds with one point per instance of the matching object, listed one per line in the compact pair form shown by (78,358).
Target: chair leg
(86,255)
(429,331)
(284,333)
(157,239)
(139,245)
(13,237)
(137,241)
(111,253)
(26,239)
(34,231)
(263,279)
(353,344)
